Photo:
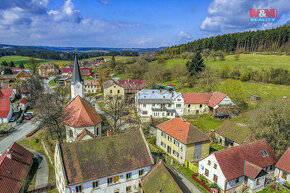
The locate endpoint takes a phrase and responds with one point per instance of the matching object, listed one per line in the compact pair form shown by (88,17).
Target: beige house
(112,89)
(196,103)
(91,86)
(48,69)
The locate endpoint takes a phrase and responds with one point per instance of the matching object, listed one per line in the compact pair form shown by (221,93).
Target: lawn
(205,122)
(274,188)
(23,59)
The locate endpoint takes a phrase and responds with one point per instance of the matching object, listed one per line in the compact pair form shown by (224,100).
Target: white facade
(225,102)
(77,90)
(282,175)
(72,132)
(9,116)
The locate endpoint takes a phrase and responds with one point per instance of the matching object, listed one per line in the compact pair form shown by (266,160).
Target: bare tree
(50,111)
(34,86)
(208,79)
(116,110)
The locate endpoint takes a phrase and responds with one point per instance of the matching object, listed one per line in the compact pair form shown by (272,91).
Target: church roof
(79,113)
(76,77)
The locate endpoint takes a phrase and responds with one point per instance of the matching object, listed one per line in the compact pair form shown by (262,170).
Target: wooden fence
(194,177)
(42,189)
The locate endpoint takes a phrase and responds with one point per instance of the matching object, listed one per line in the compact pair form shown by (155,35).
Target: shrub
(152,140)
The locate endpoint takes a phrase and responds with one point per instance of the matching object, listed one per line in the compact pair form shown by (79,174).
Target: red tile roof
(84,71)
(183,131)
(79,113)
(216,98)
(13,171)
(232,160)
(252,170)
(23,101)
(22,74)
(132,85)
(284,162)
(4,107)
(91,82)
(83,133)
(6,93)
(196,98)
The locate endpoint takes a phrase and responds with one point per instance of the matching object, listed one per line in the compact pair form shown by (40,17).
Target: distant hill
(272,40)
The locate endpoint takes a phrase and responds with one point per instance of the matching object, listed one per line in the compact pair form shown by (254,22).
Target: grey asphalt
(18,134)
(42,171)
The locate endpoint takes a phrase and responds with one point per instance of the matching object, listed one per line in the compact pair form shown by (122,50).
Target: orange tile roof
(216,98)
(183,131)
(252,170)
(79,113)
(284,162)
(4,107)
(83,133)
(196,98)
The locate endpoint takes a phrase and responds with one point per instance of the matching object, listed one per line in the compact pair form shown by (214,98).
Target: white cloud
(105,2)
(233,15)
(184,35)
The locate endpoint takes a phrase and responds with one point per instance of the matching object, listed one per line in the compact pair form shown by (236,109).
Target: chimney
(9,153)
(109,133)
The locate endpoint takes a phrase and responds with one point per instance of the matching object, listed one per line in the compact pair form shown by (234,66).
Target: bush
(152,140)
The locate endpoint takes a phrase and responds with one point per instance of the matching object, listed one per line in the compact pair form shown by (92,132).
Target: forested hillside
(270,41)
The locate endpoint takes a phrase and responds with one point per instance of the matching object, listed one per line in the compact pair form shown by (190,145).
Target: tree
(272,122)
(50,112)
(206,53)
(116,108)
(7,71)
(224,71)
(208,80)
(35,88)
(196,65)
(103,76)
(11,64)
(21,65)
(113,62)
(154,74)
(32,64)
(4,63)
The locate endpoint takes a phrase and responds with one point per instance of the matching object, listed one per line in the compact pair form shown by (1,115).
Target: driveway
(18,134)
(42,171)
(47,87)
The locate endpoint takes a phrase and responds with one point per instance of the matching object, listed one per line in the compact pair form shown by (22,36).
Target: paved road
(47,87)
(18,134)
(42,171)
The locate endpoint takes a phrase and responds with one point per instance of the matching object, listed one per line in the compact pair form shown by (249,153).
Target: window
(266,153)
(128,176)
(113,180)
(189,106)
(163,135)
(237,180)
(162,114)
(284,175)
(178,105)
(175,153)
(128,189)
(176,143)
(95,184)
(141,173)
(118,91)
(111,91)
(200,105)
(144,105)
(262,153)
(79,188)
(169,105)
(71,133)
(215,178)
(110,181)
(163,144)
(206,172)
(271,167)
(169,139)
(258,182)
(153,105)
(97,131)
(214,166)
(145,112)
(8,171)
(209,162)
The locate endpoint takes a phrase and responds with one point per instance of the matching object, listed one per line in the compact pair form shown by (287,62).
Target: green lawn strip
(205,122)
(216,147)
(278,189)
(52,83)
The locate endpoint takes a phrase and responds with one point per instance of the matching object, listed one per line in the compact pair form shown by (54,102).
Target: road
(18,134)
(42,172)
(47,87)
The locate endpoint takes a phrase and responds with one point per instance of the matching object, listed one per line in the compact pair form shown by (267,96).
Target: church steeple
(77,83)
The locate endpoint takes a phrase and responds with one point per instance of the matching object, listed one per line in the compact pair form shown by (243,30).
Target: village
(121,135)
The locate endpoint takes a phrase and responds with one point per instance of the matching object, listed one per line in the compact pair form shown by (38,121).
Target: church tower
(77,83)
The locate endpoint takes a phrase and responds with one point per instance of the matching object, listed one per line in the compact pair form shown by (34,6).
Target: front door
(168,149)
(197,112)
(197,151)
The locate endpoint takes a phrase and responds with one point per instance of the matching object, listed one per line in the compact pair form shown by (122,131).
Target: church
(81,119)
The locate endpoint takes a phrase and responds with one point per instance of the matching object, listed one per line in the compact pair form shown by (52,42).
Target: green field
(255,61)
(22,59)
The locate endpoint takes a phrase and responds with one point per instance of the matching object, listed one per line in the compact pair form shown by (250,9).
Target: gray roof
(156,96)
(76,77)
(155,101)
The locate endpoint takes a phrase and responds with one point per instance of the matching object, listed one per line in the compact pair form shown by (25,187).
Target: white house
(111,164)
(159,103)
(282,167)
(6,110)
(245,165)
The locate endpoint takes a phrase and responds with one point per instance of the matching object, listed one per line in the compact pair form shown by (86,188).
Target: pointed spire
(76,77)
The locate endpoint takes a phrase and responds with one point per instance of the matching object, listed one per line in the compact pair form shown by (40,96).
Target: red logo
(263,13)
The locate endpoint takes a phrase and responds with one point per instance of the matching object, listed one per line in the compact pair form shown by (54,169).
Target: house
(233,134)
(24,92)
(114,163)
(45,70)
(255,97)
(92,86)
(23,103)
(15,164)
(282,167)
(208,103)
(67,72)
(162,178)
(131,88)
(6,110)
(243,166)
(22,75)
(182,140)
(8,93)
(17,70)
(113,89)
(159,103)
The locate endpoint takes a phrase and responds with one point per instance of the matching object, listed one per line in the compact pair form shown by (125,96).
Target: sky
(128,23)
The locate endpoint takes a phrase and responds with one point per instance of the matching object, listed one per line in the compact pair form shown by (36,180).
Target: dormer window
(209,162)
(265,153)
(262,153)
(8,171)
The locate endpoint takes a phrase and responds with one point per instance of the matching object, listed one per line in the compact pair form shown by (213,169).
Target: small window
(141,173)
(163,144)
(169,105)
(265,153)
(111,91)
(153,105)
(70,133)
(178,105)
(144,105)
(215,178)
(206,172)
(128,176)
(258,182)
(79,188)
(110,181)
(128,189)
(176,143)
(209,162)
(8,171)
(262,153)
(169,139)
(237,180)
(176,153)
(214,166)
(163,134)
(189,106)
(284,175)
(95,184)
(118,91)
(200,105)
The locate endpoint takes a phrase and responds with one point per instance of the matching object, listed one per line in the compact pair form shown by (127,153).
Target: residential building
(113,89)
(162,178)
(23,104)
(25,93)
(207,103)
(159,103)
(6,110)
(92,86)
(243,166)
(16,70)
(182,140)
(77,83)
(15,163)
(109,164)
(67,72)
(45,70)
(282,167)
(233,134)
(22,75)
(131,88)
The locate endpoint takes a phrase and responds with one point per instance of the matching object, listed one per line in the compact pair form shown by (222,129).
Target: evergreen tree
(196,65)
(8,71)
(4,63)
(113,62)
(12,64)
(21,65)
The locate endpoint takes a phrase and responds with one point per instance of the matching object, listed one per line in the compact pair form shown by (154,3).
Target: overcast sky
(128,23)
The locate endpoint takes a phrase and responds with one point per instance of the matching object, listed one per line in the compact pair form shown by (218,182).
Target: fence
(194,177)
(42,189)
(191,166)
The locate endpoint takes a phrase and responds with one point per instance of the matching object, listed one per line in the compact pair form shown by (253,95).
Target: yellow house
(182,141)
(196,103)
(113,89)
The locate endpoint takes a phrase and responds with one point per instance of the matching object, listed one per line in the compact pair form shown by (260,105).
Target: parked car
(46,78)
(222,116)
(28,115)
(14,117)
(26,118)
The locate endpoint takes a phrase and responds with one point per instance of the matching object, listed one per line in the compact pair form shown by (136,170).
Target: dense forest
(271,41)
